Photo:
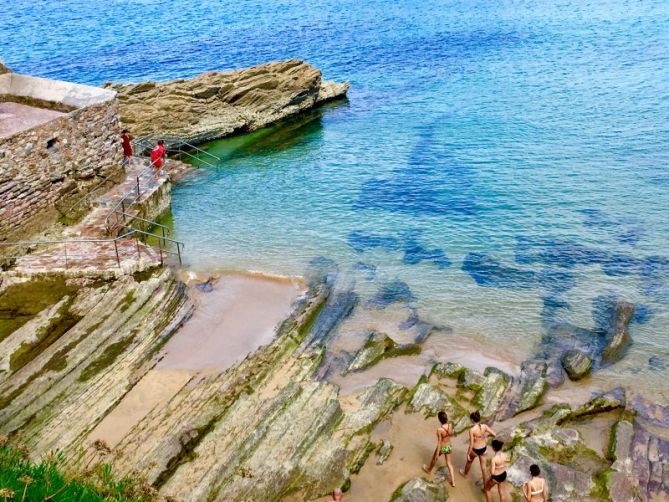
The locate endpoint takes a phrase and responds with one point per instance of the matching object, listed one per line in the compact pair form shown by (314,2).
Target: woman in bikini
(478,436)
(536,489)
(497,472)
(444,447)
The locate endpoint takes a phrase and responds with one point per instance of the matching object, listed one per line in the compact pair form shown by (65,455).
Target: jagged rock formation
(215,104)
(420,490)
(4,69)
(65,368)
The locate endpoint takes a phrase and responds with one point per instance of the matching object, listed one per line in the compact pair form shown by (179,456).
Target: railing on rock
(60,247)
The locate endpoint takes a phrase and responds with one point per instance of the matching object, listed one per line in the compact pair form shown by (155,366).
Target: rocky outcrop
(420,490)
(576,364)
(618,338)
(215,104)
(96,343)
(379,346)
(4,69)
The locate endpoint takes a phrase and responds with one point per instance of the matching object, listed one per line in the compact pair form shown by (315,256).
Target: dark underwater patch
(488,272)
(415,253)
(362,241)
(395,291)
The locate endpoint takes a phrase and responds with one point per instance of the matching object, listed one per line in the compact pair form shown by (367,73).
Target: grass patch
(50,479)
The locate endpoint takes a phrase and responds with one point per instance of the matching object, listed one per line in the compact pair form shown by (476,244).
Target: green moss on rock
(107,358)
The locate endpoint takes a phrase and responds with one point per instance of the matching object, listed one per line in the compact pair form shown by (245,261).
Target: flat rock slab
(15,117)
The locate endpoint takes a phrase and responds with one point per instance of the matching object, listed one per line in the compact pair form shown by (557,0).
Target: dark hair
(497,444)
(443,418)
(161,142)
(475,416)
(124,131)
(534,470)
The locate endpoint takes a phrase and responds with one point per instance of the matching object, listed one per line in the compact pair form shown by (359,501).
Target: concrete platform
(15,117)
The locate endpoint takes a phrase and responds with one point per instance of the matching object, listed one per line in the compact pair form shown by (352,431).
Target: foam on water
(507,162)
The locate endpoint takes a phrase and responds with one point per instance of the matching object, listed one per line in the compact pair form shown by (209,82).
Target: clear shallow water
(507,161)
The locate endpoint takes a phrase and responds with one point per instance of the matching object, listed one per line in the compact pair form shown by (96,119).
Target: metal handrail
(136,190)
(115,240)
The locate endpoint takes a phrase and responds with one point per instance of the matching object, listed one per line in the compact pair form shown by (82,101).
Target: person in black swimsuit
(497,472)
(478,436)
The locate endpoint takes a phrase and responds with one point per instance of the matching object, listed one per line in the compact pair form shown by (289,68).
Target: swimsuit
(479,451)
(537,492)
(500,478)
(446,449)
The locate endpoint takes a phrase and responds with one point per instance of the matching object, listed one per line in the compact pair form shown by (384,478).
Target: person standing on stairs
(158,156)
(126,141)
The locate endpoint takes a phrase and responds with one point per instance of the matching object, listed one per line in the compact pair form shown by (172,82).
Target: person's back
(535,490)
(157,155)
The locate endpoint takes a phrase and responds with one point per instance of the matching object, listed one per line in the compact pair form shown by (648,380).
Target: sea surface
(500,166)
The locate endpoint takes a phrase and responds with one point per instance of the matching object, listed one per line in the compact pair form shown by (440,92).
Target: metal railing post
(138,192)
(65,246)
(122,209)
(118,259)
(163,229)
(179,252)
(139,255)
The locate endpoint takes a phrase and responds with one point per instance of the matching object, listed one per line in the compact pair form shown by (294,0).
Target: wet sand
(239,315)
(156,388)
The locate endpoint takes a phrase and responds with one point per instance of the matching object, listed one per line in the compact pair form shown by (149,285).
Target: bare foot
(462,473)
(426,469)
(453,484)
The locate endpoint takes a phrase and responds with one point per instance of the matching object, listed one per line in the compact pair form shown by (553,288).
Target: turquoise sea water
(506,161)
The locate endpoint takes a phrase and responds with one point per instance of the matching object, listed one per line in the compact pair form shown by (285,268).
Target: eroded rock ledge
(216,104)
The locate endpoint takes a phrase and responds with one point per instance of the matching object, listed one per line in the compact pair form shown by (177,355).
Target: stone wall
(34,176)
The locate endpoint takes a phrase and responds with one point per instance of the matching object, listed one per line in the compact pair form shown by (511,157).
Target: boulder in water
(577,364)
(618,337)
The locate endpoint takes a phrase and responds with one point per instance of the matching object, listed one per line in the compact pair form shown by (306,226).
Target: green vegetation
(20,302)
(52,480)
(107,358)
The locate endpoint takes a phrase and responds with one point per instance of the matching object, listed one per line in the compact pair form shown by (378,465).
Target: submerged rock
(395,291)
(420,490)
(618,337)
(337,308)
(379,346)
(214,105)
(576,364)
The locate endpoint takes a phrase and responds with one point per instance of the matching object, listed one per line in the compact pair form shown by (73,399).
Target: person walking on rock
(478,436)
(536,489)
(158,156)
(126,141)
(497,472)
(444,446)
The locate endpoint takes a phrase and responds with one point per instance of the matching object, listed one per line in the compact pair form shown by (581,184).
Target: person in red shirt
(126,140)
(158,156)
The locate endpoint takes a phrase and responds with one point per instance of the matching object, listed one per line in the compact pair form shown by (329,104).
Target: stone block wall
(50,163)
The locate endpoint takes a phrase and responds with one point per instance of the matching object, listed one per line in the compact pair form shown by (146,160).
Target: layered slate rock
(98,341)
(420,490)
(577,364)
(379,346)
(216,104)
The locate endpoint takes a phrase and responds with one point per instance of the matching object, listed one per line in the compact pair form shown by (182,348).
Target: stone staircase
(107,241)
